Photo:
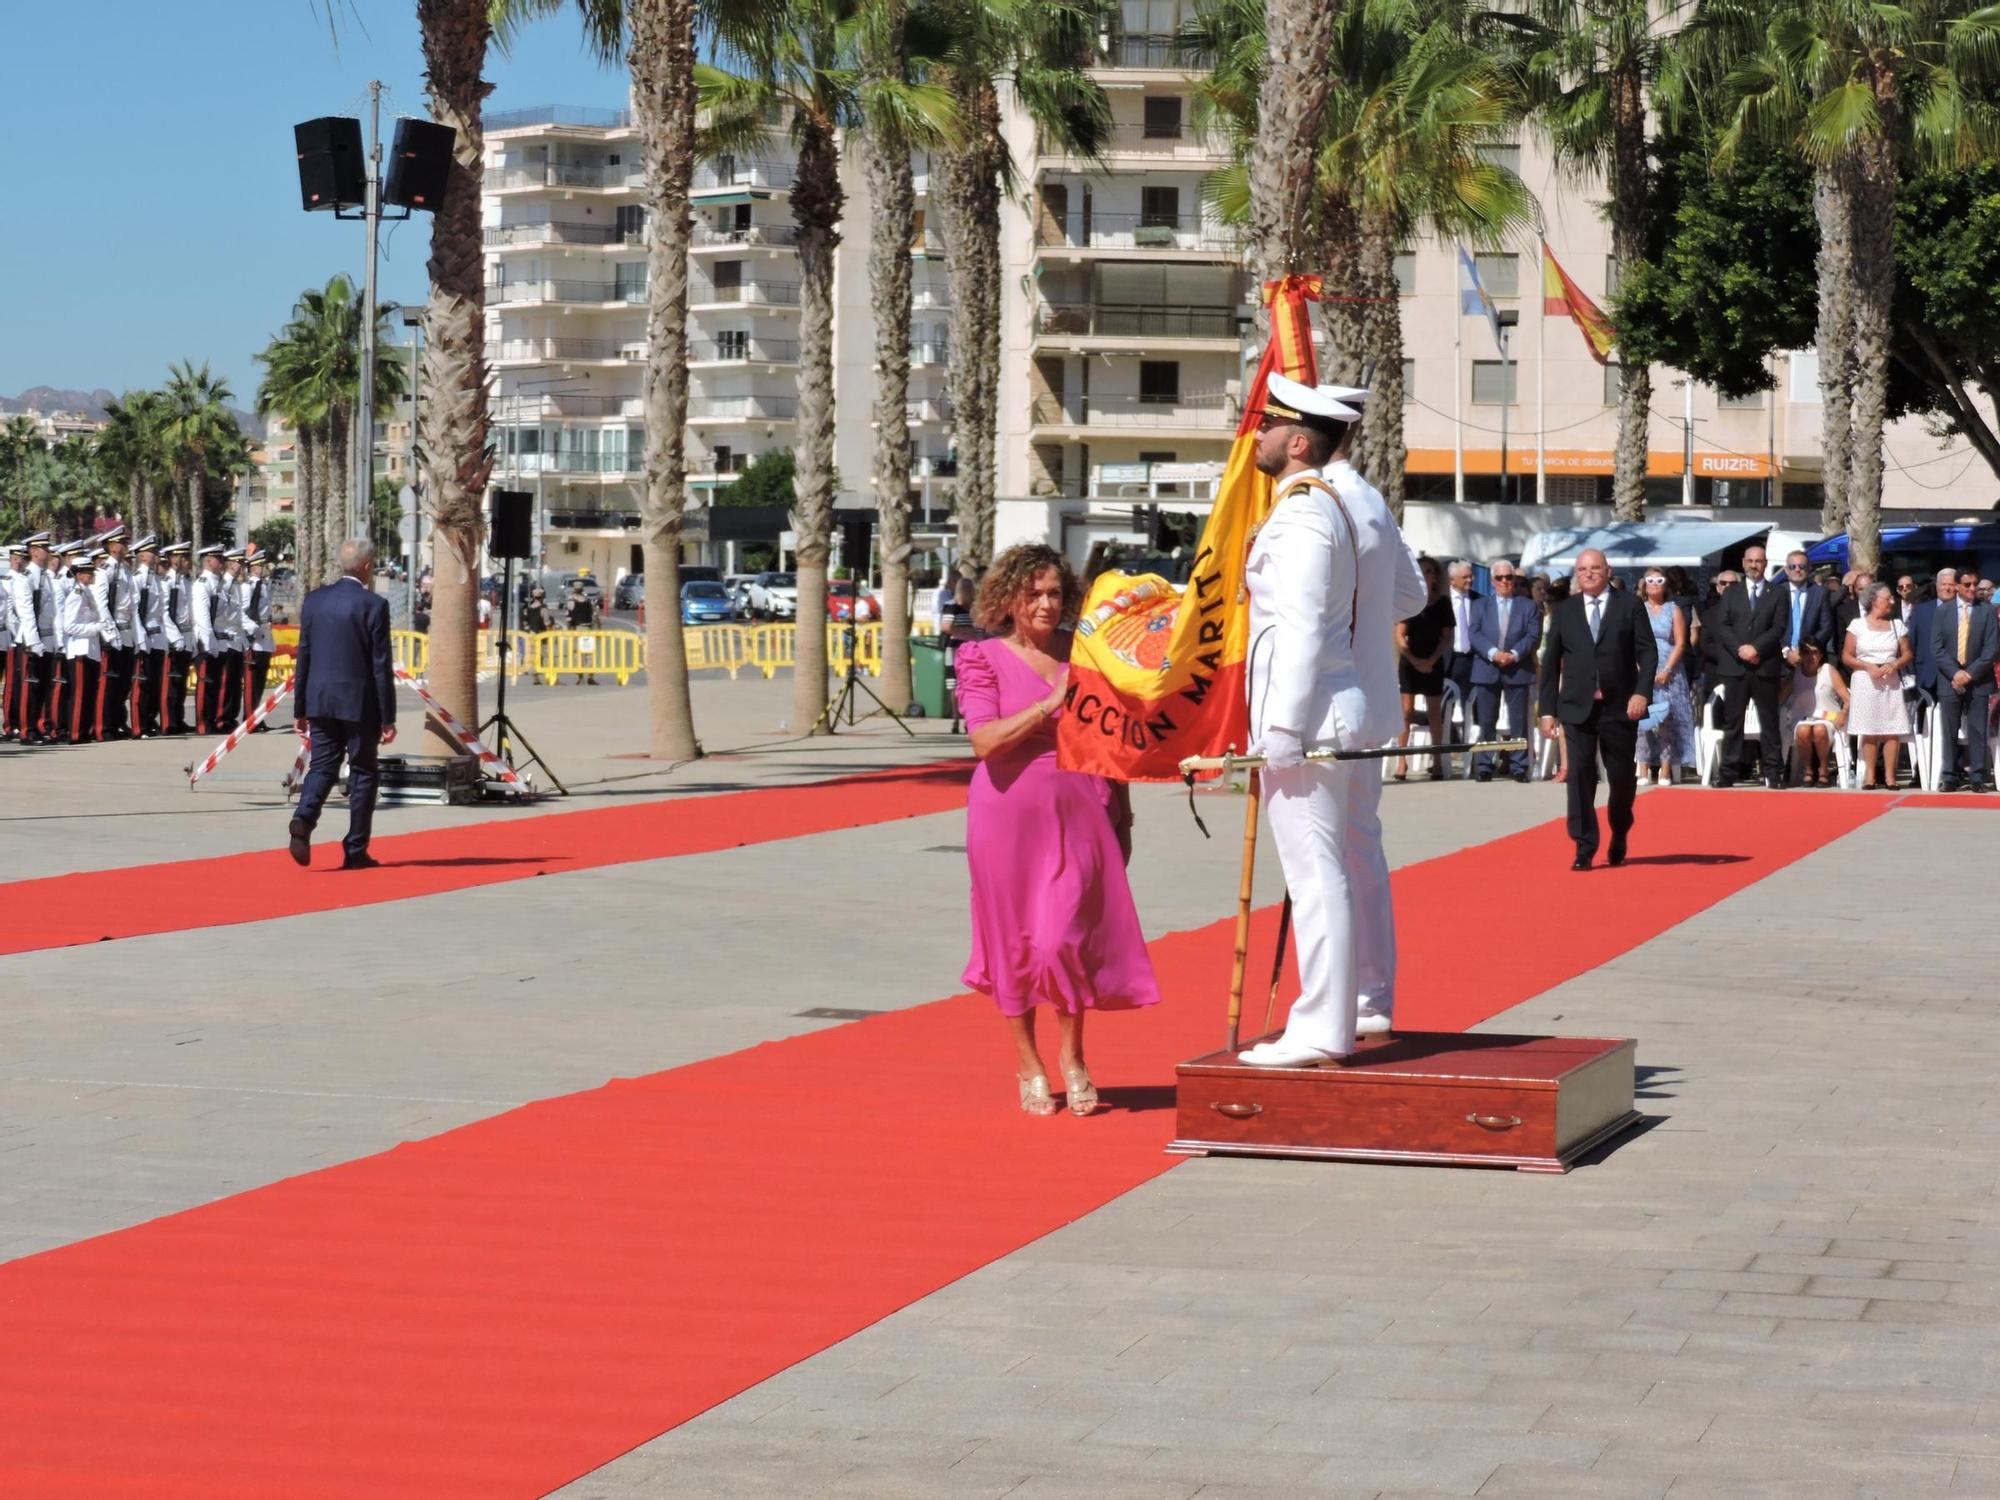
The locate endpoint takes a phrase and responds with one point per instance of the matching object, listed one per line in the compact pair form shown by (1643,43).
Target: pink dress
(1052,915)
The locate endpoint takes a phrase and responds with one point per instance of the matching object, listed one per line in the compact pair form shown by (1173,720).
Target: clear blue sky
(152,204)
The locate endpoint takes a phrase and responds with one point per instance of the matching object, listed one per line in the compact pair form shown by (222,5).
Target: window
(1805,375)
(1409,381)
(732,343)
(631,222)
(729,278)
(1500,273)
(1159,382)
(1163,117)
(1160,208)
(1502,154)
(1406,273)
(629,281)
(723,457)
(1752,402)
(1494,382)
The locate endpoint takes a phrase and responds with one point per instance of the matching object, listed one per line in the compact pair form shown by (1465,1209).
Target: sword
(1197,763)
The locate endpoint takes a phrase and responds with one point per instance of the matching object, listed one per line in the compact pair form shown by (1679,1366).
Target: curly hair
(1003,584)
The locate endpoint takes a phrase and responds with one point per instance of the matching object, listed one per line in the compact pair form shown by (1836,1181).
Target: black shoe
(1775,783)
(1581,862)
(1482,775)
(301,845)
(1725,782)
(1979,786)
(1948,784)
(360,862)
(1615,855)
(1521,776)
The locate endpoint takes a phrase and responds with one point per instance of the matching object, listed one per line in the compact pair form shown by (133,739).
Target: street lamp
(1508,318)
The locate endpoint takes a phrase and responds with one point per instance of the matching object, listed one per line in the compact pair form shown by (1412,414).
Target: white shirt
(1461,614)
(82,625)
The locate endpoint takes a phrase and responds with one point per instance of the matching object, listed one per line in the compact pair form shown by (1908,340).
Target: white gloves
(1281,749)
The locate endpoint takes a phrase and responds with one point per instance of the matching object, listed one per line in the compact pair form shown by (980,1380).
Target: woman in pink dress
(1052,916)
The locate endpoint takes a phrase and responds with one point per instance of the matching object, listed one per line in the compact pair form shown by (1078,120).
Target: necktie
(1798,608)
(1964,632)
(1755,590)
(1596,615)
(1502,628)
(1460,638)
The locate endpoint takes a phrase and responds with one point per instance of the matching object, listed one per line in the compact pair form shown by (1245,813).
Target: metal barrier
(621,654)
(411,650)
(578,653)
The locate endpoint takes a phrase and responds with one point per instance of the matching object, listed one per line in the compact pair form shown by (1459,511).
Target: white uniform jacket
(33,597)
(82,625)
(256,597)
(115,600)
(7,609)
(209,590)
(178,622)
(1327,587)
(229,614)
(149,609)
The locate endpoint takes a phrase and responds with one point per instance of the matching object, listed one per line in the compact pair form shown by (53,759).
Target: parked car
(592,589)
(700,573)
(844,601)
(629,592)
(774,596)
(705,602)
(738,585)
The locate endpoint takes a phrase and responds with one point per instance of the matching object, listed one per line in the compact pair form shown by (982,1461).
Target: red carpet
(60,910)
(499,1309)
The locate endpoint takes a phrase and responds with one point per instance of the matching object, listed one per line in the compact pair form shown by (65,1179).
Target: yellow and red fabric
(1562,299)
(1156,672)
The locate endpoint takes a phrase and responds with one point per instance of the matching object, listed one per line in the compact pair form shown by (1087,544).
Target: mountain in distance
(47,398)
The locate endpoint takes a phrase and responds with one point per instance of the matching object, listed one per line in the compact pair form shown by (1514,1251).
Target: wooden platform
(1535,1103)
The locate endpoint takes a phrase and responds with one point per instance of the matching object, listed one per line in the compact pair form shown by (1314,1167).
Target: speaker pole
(362,509)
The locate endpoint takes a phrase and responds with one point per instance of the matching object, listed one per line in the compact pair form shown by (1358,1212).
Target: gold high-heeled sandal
(1082,1092)
(1035,1096)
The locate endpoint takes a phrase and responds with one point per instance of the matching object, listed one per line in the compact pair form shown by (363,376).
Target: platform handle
(1494,1122)
(1236,1111)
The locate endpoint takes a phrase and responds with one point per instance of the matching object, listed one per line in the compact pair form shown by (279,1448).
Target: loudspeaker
(332,170)
(511,525)
(419,164)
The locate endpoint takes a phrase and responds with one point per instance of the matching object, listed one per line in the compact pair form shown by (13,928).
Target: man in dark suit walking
(1506,630)
(1597,678)
(345,690)
(1750,629)
(1965,639)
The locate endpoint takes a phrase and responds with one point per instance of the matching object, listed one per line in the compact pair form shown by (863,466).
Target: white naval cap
(1349,395)
(1310,406)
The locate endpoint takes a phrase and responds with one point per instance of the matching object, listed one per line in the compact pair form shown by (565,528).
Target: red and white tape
(465,737)
(242,731)
(295,777)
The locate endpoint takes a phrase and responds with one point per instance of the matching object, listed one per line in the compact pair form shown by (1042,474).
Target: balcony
(743,409)
(561,115)
(1154,52)
(591,520)
(550,351)
(1161,145)
(917,412)
(743,352)
(1202,414)
(930,352)
(558,405)
(721,176)
(1144,234)
(931,298)
(776,236)
(745,294)
(556,232)
(1121,321)
(507,293)
(573,176)
(575,463)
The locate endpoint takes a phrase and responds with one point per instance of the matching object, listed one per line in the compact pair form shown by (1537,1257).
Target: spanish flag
(1156,672)
(1561,299)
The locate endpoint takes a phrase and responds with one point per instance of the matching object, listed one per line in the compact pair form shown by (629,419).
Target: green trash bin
(929,692)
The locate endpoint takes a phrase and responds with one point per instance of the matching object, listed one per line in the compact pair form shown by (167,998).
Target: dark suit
(1457,664)
(1923,649)
(1491,683)
(1968,705)
(1808,619)
(1587,684)
(345,686)
(1738,623)
(1846,610)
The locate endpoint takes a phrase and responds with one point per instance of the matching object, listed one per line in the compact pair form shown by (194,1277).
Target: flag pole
(1541,410)
(1241,960)
(1457,396)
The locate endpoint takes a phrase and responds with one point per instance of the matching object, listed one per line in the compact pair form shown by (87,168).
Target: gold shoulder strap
(1314,482)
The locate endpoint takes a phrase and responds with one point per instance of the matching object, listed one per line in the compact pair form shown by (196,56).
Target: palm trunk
(1833,209)
(965,189)
(337,505)
(306,524)
(1343,305)
(135,512)
(816,207)
(1378,449)
(1874,315)
(662,61)
(1629,211)
(1291,105)
(325,454)
(194,506)
(885,158)
(456,462)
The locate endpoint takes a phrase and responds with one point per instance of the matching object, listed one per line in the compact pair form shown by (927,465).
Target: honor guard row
(102,635)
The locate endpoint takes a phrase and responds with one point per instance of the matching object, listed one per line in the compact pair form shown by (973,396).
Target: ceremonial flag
(1475,301)
(1560,298)
(1156,672)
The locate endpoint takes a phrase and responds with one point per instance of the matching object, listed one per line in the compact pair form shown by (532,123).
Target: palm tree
(1414,99)
(130,451)
(452,447)
(1042,49)
(196,428)
(1861,92)
(1291,109)
(20,439)
(1589,66)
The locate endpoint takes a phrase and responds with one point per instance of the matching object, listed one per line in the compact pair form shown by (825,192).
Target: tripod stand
(507,734)
(844,699)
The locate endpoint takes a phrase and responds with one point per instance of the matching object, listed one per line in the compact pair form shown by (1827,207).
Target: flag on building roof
(1475,301)
(1560,298)
(1157,672)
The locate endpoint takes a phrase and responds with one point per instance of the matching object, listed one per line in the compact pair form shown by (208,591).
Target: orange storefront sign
(1660,463)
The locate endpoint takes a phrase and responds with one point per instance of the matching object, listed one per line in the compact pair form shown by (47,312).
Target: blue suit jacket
(1524,635)
(344,669)
(1815,618)
(1982,643)
(1923,650)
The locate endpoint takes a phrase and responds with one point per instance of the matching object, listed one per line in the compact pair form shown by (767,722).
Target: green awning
(732,195)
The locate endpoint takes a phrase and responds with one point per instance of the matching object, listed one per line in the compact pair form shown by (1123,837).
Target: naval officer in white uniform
(1329,576)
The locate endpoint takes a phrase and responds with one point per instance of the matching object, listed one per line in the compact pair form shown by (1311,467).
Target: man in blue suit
(1506,630)
(345,689)
(1808,614)
(1966,640)
(1923,616)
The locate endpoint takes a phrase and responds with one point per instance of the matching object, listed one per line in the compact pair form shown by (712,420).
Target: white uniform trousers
(1326,822)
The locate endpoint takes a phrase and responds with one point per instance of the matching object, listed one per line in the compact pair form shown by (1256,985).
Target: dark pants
(1751,687)
(31,683)
(115,692)
(229,704)
(1458,671)
(146,689)
(358,743)
(174,693)
(1609,734)
(81,677)
(1486,698)
(209,673)
(7,729)
(256,675)
(1969,706)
